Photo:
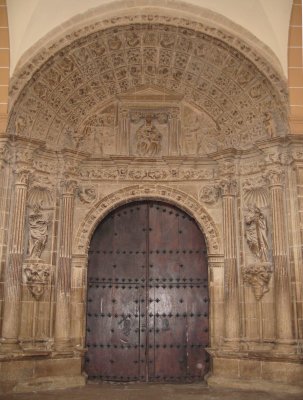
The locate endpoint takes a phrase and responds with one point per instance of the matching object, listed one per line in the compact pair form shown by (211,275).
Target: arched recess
(237,85)
(167,194)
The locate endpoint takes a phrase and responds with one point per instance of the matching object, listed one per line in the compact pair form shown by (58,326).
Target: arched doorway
(147,300)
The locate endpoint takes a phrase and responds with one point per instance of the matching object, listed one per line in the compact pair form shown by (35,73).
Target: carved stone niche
(36,275)
(149,124)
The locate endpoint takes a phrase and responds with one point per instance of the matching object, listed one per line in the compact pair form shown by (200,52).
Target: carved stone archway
(215,109)
(168,194)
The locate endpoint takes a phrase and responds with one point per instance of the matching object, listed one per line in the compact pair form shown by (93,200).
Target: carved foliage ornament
(36,277)
(258,277)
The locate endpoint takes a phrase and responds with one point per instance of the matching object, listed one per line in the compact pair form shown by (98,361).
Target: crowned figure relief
(148,138)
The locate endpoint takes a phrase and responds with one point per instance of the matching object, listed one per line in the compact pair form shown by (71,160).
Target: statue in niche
(38,233)
(256,233)
(148,138)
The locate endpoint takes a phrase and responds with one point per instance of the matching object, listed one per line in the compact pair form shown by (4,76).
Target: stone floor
(150,392)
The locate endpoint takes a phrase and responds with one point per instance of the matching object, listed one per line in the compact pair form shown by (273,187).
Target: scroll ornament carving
(258,274)
(258,277)
(87,195)
(36,277)
(38,233)
(147,174)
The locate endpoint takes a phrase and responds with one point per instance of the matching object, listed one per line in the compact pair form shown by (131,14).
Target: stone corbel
(36,276)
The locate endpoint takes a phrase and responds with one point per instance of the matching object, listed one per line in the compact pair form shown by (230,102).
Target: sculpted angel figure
(38,233)
(148,138)
(256,232)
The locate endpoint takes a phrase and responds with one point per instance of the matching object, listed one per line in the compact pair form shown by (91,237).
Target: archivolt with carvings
(139,192)
(93,70)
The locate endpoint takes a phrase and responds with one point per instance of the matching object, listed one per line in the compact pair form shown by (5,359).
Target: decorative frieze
(147,173)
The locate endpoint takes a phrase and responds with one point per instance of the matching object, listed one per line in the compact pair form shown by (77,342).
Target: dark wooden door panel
(147,304)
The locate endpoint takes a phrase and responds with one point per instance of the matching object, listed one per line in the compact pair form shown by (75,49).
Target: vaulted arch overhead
(227,93)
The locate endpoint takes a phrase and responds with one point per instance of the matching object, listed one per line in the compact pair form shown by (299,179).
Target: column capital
(275,176)
(228,187)
(69,187)
(22,175)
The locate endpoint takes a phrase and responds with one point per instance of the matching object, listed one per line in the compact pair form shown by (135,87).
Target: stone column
(231,284)
(283,306)
(174,133)
(63,284)
(13,271)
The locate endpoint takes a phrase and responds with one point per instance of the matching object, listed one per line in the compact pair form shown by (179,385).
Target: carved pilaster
(13,271)
(174,127)
(231,286)
(62,321)
(123,139)
(283,306)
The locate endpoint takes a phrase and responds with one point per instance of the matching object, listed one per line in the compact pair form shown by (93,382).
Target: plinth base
(266,371)
(37,372)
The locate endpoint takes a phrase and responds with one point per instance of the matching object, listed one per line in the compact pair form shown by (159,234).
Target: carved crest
(36,277)
(258,277)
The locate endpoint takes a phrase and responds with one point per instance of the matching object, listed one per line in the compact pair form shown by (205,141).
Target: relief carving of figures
(38,233)
(256,233)
(148,138)
(258,277)
(209,194)
(36,277)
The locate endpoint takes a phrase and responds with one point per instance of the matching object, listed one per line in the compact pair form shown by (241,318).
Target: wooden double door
(147,301)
